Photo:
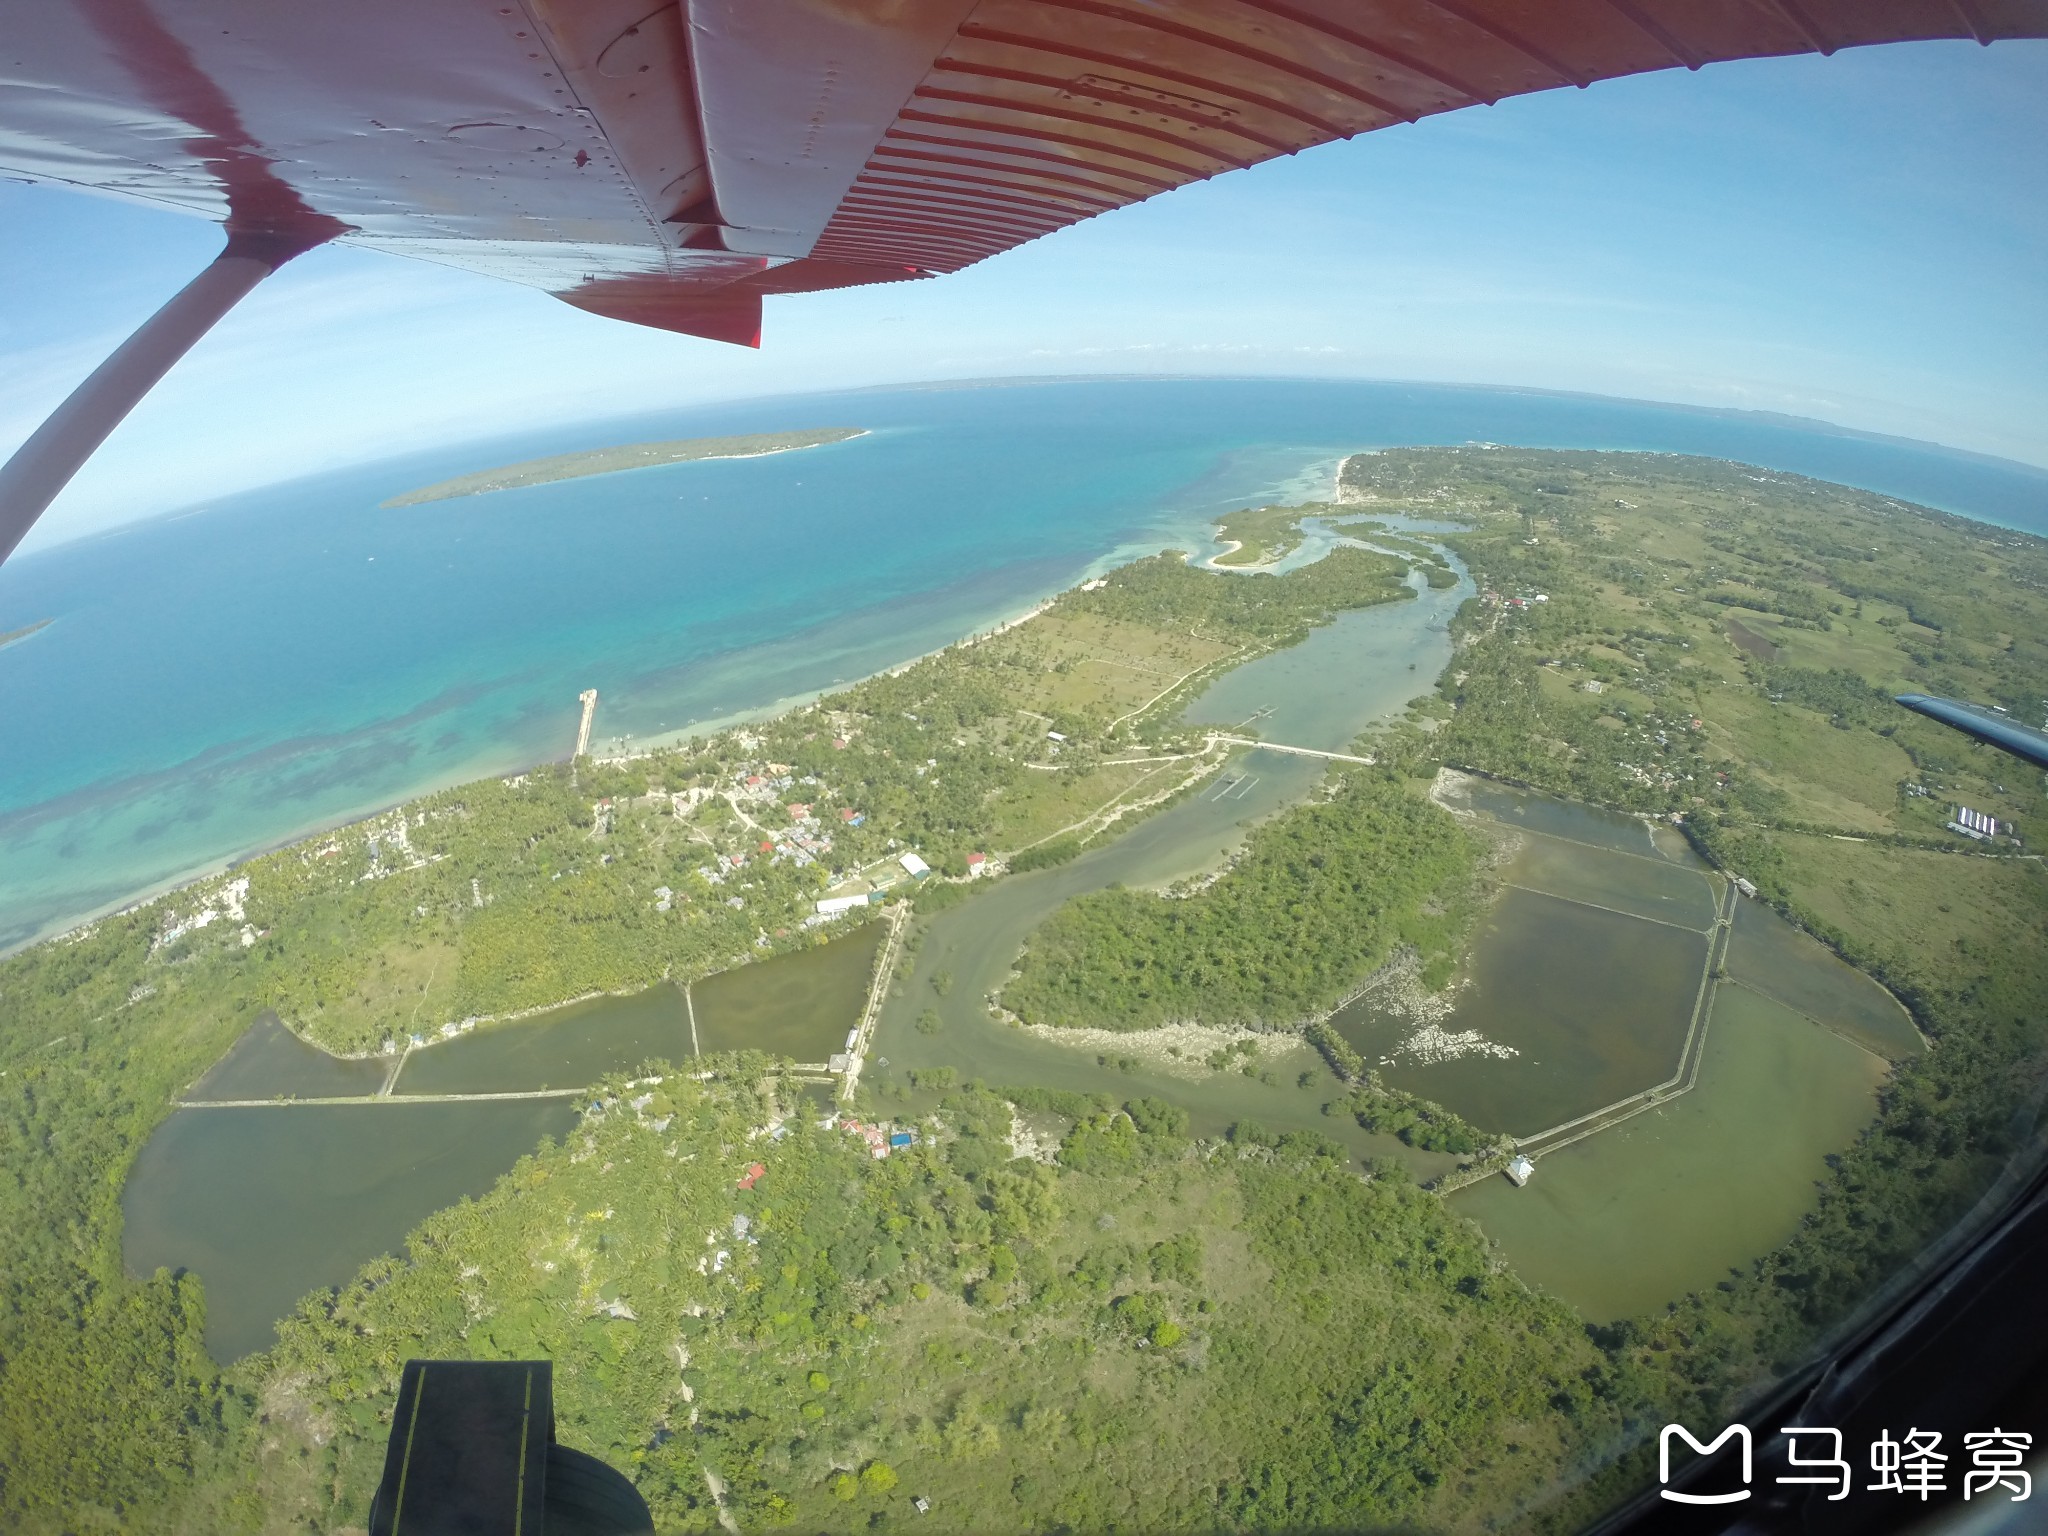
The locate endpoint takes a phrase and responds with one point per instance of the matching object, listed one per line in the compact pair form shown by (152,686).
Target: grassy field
(1930,914)
(1779,612)
(420,977)
(1047,803)
(1828,776)
(1084,665)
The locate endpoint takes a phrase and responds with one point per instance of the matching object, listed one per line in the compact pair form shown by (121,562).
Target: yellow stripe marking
(519,1492)
(404,1467)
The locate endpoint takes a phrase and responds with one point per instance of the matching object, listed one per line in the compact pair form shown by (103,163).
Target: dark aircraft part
(1965,1350)
(473,1453)
(1993,727)
(44,465)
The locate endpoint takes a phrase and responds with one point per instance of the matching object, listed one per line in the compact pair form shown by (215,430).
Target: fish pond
(1567,1007)
(268,1202)
(1592,978)
(1669,1201)
(799,1006)
(1584,981)
(1584,986)
(1789,1048)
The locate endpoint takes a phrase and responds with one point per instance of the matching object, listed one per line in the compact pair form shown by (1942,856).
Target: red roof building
(751,1176)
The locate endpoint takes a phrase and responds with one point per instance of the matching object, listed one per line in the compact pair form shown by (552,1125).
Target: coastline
(1169,534)
(663,741)
(198,874)
(616,750)
(1298,489)
(1190,525)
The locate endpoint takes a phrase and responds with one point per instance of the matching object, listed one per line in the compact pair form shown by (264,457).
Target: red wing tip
(731,315)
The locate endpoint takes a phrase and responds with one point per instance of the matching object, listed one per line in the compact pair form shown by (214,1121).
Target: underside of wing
(672,164)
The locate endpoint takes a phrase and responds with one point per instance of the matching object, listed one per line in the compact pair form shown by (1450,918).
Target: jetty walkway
(1281,746)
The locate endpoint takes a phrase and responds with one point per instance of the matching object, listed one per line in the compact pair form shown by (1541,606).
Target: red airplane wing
(668,164)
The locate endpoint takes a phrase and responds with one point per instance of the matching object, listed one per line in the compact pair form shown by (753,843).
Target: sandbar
(605,461)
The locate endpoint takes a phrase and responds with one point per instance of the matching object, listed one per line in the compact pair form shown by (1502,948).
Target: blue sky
(1862,239)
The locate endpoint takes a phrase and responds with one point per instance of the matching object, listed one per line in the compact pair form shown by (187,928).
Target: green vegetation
(605,461)
(1275,610)
(1661,577)
(1421,1124)
(1045,855)
(1149,1329)
(490,899)
(1264,534)
(107,1399)
(1317,900)
(1085,1343)
(506,895)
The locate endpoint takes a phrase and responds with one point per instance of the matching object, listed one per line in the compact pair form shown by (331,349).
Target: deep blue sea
(223,679)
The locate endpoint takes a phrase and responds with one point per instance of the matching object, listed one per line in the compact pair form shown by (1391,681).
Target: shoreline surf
(294,661)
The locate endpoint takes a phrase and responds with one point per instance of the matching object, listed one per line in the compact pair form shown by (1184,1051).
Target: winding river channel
(1593,979)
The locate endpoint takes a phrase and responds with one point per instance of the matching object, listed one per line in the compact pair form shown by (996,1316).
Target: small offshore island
(10,636)
(1134,1204)
(606,461)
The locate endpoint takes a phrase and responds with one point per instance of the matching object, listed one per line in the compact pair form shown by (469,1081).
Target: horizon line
(1817,424)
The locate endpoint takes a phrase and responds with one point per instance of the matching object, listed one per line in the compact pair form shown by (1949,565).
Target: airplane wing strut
(54,452)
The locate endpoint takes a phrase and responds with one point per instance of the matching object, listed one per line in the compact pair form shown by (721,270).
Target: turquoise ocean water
(225,678)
